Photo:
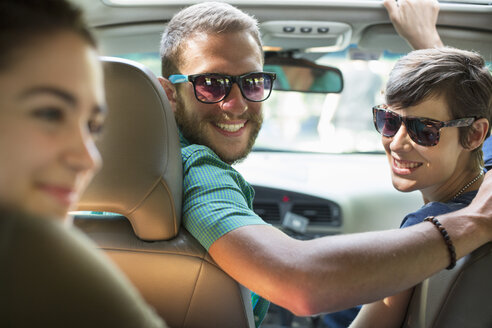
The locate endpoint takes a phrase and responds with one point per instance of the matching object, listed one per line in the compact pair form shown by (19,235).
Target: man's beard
(194,131)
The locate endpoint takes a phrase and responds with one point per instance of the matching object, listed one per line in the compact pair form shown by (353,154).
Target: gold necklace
(468,184)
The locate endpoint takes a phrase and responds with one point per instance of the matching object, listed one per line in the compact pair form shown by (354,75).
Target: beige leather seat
(142,181)
(457,298)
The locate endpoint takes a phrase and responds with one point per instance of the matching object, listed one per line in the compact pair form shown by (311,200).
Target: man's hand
(415,21)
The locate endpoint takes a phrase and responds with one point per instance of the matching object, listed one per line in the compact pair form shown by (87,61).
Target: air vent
(268,211)
(318,213)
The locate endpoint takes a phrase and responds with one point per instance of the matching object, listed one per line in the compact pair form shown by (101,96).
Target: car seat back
(141,183)
(455,298)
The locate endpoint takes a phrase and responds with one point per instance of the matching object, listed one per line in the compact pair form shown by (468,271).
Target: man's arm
(337,272)
(415,21)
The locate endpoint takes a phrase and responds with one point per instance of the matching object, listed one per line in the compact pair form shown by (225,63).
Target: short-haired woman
(437,116)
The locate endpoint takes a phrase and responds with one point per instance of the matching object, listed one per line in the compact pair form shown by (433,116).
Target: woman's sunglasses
(423,131)
(211,88)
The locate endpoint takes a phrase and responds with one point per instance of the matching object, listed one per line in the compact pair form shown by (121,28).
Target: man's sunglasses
(423,131)
(211,88)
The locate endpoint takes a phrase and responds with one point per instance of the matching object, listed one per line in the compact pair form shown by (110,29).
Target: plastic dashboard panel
(323,216)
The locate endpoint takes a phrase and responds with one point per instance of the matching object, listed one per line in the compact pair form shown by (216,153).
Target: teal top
(216,200)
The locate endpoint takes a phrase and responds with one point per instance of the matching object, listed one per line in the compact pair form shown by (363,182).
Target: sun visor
(290,35)
(384,36)
(118,40)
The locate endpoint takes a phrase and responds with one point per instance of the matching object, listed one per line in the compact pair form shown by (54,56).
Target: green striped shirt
(216,200)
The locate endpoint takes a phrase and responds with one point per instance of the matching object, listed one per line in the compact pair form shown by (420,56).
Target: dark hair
(460,76)
(208,18)
(22,21)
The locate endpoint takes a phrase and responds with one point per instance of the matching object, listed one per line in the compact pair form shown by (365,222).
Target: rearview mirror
(302,75)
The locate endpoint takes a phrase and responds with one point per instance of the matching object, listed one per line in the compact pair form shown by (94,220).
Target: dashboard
(336,193)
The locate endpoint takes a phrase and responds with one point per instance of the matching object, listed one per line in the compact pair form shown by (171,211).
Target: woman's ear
(477,134)
(170,90)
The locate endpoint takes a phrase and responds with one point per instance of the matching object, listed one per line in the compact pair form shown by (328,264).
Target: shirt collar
(182,140)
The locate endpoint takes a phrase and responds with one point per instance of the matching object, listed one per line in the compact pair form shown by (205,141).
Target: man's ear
(477,135)
(170,90)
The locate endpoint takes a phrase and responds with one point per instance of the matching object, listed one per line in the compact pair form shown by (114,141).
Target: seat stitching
(193,294)
(146,195)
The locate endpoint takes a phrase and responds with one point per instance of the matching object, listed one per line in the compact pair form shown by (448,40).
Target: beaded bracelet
(447,240)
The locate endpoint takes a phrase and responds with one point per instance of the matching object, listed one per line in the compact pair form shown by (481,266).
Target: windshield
(332,123)
(327,123)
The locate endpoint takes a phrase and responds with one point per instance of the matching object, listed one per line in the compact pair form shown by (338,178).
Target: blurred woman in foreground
(51,109)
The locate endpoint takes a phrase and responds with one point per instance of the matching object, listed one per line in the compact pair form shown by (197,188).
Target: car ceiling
(129,28)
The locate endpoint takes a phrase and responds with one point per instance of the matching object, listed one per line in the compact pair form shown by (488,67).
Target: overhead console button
(289,29)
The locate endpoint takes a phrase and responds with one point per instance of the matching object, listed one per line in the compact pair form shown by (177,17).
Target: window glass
(331,123)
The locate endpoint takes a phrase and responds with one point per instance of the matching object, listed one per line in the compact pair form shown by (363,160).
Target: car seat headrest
(141,176)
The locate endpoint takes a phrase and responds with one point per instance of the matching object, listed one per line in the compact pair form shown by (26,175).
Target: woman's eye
(49,114)
(95,125)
